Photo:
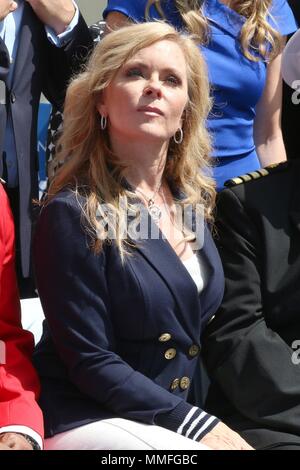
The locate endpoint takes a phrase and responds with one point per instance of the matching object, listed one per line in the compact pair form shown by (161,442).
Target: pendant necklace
(153,209)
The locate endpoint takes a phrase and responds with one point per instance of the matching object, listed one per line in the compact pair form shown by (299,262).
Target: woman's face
(146,99)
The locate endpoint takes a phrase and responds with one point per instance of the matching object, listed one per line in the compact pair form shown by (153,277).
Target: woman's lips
(150,110)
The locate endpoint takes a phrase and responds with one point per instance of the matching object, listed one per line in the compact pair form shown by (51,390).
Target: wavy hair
(191,14)
(258,38)
(91,168)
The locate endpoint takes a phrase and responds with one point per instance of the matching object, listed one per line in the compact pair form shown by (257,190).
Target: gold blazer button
(170,353)
(164,337)
(194,350)
(185,383)
(174,384)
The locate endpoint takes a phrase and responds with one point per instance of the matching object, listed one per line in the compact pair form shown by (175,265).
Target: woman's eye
(173,80)
(134,73)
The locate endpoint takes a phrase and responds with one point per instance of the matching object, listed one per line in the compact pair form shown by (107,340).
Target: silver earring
(178,137)
(103,122)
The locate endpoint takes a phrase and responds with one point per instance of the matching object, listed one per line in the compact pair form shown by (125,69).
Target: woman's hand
(4,447)
(221,437)
(13,441)
(57,14)
(6,7)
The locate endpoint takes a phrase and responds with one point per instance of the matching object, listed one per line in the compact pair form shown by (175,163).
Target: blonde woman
(124,313)
(242,42)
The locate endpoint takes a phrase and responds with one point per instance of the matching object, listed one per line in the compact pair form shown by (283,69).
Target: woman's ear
(101,106)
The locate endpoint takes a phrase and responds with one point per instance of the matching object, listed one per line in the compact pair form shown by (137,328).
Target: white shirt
(197,271)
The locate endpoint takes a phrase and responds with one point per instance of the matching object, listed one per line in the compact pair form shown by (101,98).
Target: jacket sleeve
(19,384)
(76,300)
(249,361)
(62,63)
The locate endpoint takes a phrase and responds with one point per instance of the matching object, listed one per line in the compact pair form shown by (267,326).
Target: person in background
(242,43)
(21,420)
(124,312)
(41,43)
(251,347)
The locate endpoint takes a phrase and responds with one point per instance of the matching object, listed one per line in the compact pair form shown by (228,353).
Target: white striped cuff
(196,424)
(189,421)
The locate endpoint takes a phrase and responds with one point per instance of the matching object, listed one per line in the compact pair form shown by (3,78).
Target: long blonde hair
(257,35)
(191,14)
(90,166)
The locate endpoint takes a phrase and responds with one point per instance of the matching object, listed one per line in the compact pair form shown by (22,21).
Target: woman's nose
(153,88)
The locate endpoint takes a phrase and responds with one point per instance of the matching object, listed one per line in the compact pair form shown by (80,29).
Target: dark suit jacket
(39,67)
(19,382)
(248,347)
(102,353)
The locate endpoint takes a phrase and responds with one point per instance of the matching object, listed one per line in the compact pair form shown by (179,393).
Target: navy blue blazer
(119,339)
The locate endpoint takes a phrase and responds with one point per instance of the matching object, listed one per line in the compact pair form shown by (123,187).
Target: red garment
(19,385)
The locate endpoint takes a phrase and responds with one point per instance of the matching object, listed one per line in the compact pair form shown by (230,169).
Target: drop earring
(178,137)
(103,122)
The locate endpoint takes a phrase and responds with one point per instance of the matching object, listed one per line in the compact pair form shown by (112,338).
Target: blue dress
(237,83)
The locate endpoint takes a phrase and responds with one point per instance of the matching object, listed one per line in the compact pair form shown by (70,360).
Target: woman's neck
(145,177)
(145,163)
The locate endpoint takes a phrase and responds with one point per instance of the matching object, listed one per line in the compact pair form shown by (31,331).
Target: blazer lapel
(161,256)
(164,260)
(212,295)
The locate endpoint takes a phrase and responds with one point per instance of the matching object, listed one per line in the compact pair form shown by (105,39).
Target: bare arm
(267,125)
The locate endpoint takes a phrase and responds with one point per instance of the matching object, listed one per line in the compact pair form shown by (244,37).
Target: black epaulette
(254,175)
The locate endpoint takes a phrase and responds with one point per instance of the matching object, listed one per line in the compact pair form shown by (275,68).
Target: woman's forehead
(164,53)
